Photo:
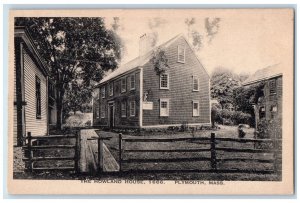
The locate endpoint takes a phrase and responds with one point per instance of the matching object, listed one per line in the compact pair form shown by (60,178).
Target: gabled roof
(138,61)
(264,74)
(23,33)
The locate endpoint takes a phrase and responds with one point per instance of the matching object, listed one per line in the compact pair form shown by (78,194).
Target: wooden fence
(31,159)
(215,146)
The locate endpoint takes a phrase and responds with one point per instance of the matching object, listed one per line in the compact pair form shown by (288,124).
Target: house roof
(23,33)
(264,74)
(138,61)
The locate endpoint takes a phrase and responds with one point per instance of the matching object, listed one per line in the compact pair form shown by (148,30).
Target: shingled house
(136,96)
(31,90)
(269,105)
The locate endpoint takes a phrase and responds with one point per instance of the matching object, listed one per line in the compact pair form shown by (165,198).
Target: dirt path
(89,154)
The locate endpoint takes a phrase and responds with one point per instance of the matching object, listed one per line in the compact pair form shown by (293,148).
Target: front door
(111,115)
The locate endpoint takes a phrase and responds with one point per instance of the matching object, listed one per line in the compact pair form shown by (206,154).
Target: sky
(246,40)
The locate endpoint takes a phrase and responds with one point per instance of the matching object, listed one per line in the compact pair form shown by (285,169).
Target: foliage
(198,38)
(77,97)
(223,83)
(262,129)
(160,61)
(73,48)
(241,132)
(269,129)
(246,97)
(227,117)
(212,27)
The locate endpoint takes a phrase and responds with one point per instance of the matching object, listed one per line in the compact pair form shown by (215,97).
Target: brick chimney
(145,44)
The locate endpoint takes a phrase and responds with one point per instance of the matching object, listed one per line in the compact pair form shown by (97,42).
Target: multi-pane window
(274,108)
(262,112)
(102,111)
(272,86)
(103,92)
(132,108)
(38,107)
(123,85)
(164,81)
(111,89)
(195,108)
(195,83)
(132,81)
(181,54)
(123,109)
(164,107)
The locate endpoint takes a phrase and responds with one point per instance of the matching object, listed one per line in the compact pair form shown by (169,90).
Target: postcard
(151,101)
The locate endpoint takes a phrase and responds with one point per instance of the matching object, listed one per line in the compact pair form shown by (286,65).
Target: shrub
(184,126)
(241,131)
(228,117)
(262,129)
(240,117)
(88,123)
(269,129)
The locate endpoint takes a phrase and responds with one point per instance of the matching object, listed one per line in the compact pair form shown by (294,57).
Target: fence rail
(31,159)
(213,156)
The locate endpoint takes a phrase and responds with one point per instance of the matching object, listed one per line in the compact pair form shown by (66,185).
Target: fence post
(213,161)
(120,151)
(77,148)
(30,163)
(100,154)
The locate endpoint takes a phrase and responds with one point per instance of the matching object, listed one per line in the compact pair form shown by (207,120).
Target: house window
(123,109)
(195,108)
(195,83)
(164,81)
(123,85)
(132,108)
(181,54)
(164,107)
(102,112)
(38,107)
(132,82)
(111,89)
(103,92)
(272,86)
(262,112)
(274,108)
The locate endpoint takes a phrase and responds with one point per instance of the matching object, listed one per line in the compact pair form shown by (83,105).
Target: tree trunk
(59,115)
(59,103)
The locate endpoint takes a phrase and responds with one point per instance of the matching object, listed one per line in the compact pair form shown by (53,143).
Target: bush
(240,117)
(88,123)
(262,129)
(269,129)
(227,117)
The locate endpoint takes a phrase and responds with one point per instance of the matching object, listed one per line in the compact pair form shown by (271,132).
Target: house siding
(273,99)
(37,127)
(117,98)
(180,92)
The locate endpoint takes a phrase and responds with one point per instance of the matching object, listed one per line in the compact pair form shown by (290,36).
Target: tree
(223,83)
(160,61)
(73,48)
(246,97)
(77,97)
(197,38)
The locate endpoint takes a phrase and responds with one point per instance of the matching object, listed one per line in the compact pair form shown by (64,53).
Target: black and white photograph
(152,97)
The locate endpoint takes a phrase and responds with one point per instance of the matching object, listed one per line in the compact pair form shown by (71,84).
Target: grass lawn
(224,131)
